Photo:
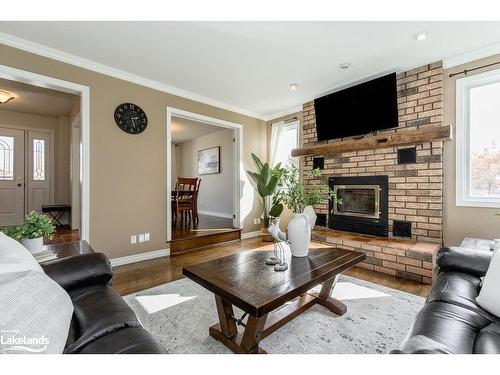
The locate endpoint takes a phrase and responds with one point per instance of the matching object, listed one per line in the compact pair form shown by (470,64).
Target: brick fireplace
(415,184)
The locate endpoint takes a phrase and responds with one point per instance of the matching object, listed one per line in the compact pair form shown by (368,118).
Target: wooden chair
(185,198)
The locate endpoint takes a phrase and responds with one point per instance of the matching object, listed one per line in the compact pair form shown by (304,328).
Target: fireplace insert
(362,205)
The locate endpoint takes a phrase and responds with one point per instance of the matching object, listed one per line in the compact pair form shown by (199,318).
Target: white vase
(311,215)
(34,245)
(299,235)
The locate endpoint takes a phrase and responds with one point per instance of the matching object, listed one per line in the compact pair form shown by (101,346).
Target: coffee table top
(248,283)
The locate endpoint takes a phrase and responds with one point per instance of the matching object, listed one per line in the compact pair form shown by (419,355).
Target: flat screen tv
(358,110)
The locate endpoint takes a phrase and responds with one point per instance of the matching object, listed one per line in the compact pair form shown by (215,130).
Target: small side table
(56,212)
(65,250)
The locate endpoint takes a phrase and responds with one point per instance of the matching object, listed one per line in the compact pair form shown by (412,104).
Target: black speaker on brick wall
(401,228)
(407,155)
(319,163)
(321,220)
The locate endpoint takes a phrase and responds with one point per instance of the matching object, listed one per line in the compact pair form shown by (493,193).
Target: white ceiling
(37,100)
(248,66)
(186,130)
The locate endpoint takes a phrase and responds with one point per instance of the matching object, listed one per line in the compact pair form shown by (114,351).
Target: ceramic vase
(311,215)
(34,245)
(299,235)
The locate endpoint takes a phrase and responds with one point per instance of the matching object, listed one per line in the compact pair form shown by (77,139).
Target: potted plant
(36,226)
(300,198)
(266,181)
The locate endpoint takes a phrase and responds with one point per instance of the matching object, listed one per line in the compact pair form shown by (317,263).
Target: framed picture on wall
(209,161)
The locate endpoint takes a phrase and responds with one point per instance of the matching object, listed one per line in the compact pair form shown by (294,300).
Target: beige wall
(216,190)
(286,216)
(61,128)
(460,222)
(128,172)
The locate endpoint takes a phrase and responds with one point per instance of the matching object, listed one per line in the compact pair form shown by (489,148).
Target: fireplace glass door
(358,200)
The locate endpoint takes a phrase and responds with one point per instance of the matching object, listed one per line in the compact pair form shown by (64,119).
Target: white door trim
(237,157)
(40,80)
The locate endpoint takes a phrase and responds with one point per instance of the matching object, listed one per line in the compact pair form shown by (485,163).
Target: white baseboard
(139,257)
(215,213)
(246,235)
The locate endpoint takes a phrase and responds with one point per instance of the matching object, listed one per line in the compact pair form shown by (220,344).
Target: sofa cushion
(489,296)
(124,341)
(99,310)
(459,289)
(488,340)
(452,328)
(35,312)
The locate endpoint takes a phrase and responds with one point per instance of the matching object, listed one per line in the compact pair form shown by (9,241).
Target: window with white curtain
(478,140)
(285,137)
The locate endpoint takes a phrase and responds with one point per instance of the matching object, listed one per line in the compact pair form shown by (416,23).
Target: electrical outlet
(133,239)
(146,236)
(141,237)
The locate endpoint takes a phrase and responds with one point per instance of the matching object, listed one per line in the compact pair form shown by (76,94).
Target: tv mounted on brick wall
(358,110)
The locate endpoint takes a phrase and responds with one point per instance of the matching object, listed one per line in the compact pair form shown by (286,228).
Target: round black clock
(131,118)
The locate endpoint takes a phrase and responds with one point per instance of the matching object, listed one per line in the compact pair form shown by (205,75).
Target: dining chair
(185,199)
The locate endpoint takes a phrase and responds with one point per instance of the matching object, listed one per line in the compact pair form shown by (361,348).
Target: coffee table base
(256,329)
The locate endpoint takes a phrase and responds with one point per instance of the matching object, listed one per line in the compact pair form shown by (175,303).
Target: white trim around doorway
(237,157)
(40,80)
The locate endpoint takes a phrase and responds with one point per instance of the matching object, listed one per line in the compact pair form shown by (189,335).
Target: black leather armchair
(451,321)
(102,321)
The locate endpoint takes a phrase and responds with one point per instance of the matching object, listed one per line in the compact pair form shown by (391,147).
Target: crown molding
(467,57)
(285,112)
(55,54)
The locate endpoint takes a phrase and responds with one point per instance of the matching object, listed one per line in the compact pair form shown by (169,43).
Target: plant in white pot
(36,226)
(266,181)
(300,198)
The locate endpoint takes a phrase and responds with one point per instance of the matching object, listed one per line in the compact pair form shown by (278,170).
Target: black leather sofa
(451,322)
(102,322)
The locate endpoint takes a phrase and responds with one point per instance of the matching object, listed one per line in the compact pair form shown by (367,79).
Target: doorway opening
(44,152)
(203,181)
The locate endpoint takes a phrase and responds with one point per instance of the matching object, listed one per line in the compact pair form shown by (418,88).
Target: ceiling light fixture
(420,36)
(6,96)
(293,86)
(345,65)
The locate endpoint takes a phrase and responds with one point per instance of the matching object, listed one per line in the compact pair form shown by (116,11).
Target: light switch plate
(141,237)
(133,239)
(146,236)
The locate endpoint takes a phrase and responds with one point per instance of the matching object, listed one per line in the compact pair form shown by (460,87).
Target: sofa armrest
(80,270)
(462,259)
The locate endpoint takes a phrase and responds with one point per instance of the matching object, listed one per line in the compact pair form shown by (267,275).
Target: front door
(11,176)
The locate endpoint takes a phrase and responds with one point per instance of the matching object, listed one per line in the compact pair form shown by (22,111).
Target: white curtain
(276,131)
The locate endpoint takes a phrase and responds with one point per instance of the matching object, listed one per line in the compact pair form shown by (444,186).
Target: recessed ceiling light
(420,36)
(345,65)
(293,86)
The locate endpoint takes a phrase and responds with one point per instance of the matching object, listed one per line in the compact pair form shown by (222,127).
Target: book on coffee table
(44,256)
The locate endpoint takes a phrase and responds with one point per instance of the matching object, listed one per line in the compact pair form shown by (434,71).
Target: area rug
(179,313)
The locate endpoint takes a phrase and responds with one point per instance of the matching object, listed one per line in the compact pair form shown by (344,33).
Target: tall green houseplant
(266,182)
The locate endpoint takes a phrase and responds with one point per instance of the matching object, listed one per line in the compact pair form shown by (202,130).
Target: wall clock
(131,118)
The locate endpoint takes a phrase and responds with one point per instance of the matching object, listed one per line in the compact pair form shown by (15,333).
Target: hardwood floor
(63,236)
(139,276)
(207,224)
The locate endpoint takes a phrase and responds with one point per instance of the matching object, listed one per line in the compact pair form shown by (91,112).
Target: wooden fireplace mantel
(430,133)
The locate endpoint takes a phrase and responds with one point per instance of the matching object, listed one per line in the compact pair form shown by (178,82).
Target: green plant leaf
(254,176)
(276,210)
(262,189)
(257,162)
(271,186)
(265,173)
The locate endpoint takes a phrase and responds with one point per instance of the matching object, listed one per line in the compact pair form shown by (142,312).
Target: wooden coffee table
(245,281)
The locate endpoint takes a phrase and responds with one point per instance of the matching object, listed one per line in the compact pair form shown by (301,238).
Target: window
(478,140)
(6,158)
(38,159)
(285,137)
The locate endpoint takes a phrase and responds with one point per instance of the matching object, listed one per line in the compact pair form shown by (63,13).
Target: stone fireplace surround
(415,189)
